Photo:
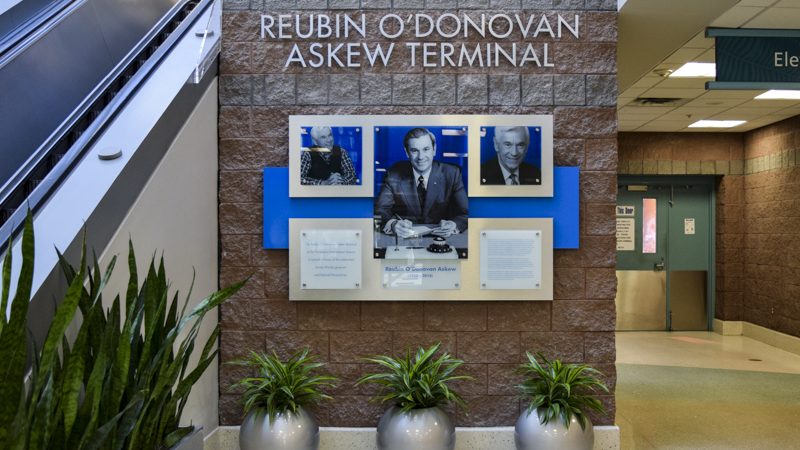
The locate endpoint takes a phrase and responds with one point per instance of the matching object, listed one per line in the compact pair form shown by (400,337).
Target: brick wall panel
(258,94)
(495,348)
(351,346)
(519,316)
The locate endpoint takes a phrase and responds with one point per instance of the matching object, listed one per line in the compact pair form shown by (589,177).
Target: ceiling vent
(656,101)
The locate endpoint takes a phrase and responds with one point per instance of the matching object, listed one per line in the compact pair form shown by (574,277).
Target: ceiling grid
(696,102)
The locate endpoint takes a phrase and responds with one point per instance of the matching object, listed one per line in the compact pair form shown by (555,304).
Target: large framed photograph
(329,157)
(421,182)
(516,157)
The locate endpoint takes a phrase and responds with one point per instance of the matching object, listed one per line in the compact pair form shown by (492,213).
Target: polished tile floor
(701,390)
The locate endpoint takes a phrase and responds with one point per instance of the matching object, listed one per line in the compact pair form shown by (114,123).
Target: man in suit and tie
(422,191)
(508,167)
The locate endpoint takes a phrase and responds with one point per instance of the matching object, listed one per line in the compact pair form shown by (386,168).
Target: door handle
(659,266)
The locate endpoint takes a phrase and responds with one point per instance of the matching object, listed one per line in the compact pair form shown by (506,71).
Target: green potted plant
(559,395)
(277,401)
(418,389)
(125,379)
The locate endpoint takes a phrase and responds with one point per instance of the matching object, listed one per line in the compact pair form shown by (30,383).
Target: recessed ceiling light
(717,123)
(779,95)
(696,70)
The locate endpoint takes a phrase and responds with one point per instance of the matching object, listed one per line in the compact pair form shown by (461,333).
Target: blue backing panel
(563,207)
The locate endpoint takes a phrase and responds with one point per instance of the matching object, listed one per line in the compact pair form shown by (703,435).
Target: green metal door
(688,257)
(665,253)
(641,259)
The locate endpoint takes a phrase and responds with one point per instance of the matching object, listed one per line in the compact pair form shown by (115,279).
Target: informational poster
(626,231)
(330,259)
(511,259)
(445,274)
(688,225)
(626,211)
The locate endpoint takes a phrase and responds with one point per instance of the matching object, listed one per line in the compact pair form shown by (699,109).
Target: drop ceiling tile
(633,92)
(756,2)
(646,110)
(795,111)
(696,113)
(705,102)
(733,94)
(781,104)
(674,93)
(736,115)
(673,66)
(745,127)
(684,83)
(637,117)
(788,4)
(760,123)
(630,125)
(709,56)
(700,41)
(762,111)
(771,103)
(648,82)
(783,114)
(683,55)
(736,16)
(776,18)
(622,101)
(664,127)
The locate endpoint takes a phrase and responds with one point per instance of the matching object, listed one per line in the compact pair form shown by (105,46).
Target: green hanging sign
(756,59)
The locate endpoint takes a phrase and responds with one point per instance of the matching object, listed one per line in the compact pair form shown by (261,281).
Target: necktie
(513,179)
(421,190)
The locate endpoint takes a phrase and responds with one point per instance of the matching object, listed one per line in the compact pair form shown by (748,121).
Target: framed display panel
(372,289)
(480,131)
(521,146)
(350,143)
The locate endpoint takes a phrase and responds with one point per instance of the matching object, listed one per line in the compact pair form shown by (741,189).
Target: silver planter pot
(530,434)
(418,429)
(289,431)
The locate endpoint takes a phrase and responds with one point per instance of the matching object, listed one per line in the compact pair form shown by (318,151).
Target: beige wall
(176,214)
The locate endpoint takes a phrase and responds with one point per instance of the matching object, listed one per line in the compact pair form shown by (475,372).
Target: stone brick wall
(257,96)
(771,243)
(757,212)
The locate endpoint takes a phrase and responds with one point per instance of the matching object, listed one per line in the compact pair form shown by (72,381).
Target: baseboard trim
(728,327)
(334,438)
(774,338)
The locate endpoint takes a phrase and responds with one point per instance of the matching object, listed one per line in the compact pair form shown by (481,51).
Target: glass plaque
(443,274)
(511,259)
(330,259)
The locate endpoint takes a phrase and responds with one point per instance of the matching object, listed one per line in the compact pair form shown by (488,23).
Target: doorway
(665,253)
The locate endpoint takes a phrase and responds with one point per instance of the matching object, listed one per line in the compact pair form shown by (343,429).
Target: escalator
(65,74)
(118,142)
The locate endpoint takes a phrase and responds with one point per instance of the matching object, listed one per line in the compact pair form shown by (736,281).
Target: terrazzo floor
(701,390)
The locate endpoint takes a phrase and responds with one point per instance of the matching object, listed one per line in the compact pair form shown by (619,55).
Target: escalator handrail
(61,170)
(38,25)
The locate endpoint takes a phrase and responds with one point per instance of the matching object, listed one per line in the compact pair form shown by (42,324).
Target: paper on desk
(422,230)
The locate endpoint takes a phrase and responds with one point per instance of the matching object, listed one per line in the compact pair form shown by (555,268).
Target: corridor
(702,390)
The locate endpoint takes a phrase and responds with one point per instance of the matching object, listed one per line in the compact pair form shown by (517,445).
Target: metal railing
(51,163)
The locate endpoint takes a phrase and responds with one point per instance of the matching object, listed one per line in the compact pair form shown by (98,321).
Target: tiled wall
(757,213)
(257,96)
